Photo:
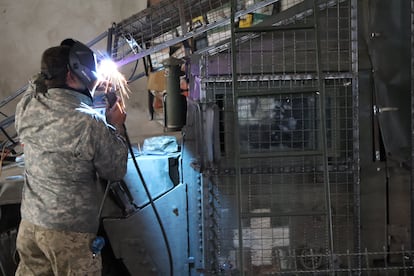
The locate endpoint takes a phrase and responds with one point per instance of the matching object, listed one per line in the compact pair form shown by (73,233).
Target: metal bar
(412,125)
(286,214)
(298,170)
(97,39)
(277,77)
(275,28)
(280,154)
(182,16)
(355,122)
(6,122)
(109,41)
(8,136)
(277,91)
(13,96)
(236,155)
(323,131)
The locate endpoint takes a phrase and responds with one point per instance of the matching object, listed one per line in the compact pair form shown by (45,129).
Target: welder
(68,146)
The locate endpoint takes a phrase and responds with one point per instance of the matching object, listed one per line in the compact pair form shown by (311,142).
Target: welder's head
(71,56)
(54,66)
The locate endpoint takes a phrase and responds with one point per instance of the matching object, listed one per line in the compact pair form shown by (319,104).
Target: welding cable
(164,234)
(133,71)
(108,186)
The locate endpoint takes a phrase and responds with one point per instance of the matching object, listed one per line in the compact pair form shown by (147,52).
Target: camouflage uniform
(66,145)
(50,252)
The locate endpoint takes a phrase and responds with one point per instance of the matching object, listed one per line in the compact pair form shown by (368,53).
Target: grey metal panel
(157,171)
(389,46)
(11,184)
(138,241)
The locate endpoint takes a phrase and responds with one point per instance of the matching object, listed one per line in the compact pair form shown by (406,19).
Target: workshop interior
(287,146)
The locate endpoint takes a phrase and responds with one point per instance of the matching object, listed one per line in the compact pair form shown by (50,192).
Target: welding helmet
(82,62)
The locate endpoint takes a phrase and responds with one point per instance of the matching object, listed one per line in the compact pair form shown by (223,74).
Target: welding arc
(164,234)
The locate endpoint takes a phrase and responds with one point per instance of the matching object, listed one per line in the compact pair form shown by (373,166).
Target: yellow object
(246,21)
(198,22)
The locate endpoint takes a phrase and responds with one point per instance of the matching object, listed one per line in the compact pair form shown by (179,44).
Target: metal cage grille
(283,204)
(294,209)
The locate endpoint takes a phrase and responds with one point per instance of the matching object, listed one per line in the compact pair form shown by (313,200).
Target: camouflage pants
(50,252)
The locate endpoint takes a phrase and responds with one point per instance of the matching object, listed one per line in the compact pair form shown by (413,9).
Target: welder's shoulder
(35,86)
(22,105)
(27,95)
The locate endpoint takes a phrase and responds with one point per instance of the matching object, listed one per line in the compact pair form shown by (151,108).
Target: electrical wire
(164,234)
(133,71)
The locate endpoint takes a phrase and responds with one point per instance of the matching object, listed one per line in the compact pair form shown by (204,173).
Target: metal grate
(288,218)
(166,29)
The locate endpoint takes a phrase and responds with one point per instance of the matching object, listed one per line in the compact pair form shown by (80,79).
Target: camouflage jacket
(66,145)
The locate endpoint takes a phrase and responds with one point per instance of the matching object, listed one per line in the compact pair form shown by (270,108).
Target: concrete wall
(28,27)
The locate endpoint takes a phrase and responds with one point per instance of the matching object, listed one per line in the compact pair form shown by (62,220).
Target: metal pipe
(175,103)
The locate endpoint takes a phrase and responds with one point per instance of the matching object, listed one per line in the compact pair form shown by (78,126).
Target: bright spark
(110,78)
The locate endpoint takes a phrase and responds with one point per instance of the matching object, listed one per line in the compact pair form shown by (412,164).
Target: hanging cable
(164,234)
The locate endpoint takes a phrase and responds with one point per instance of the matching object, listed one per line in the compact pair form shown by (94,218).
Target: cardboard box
(156,81)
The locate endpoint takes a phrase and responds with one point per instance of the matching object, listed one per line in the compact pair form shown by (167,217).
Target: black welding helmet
(82,62)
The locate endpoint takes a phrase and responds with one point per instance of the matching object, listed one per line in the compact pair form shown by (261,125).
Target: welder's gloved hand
(116,117)
(111,98)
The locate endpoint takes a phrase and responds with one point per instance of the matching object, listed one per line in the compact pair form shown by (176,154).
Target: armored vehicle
(292,146)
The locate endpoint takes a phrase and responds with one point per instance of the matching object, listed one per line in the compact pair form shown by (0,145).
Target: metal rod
(412,125)
(280,77)
(236,154)
(275,28)
(97,39)
(13,96)
(355,121)
(323,132)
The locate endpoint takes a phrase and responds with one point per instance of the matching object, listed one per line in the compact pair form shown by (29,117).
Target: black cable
(133,71)
(164,235)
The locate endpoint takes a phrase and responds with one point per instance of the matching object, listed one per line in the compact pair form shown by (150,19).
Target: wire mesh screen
(284,122)
(283,198)
(171,27)
(293,210)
